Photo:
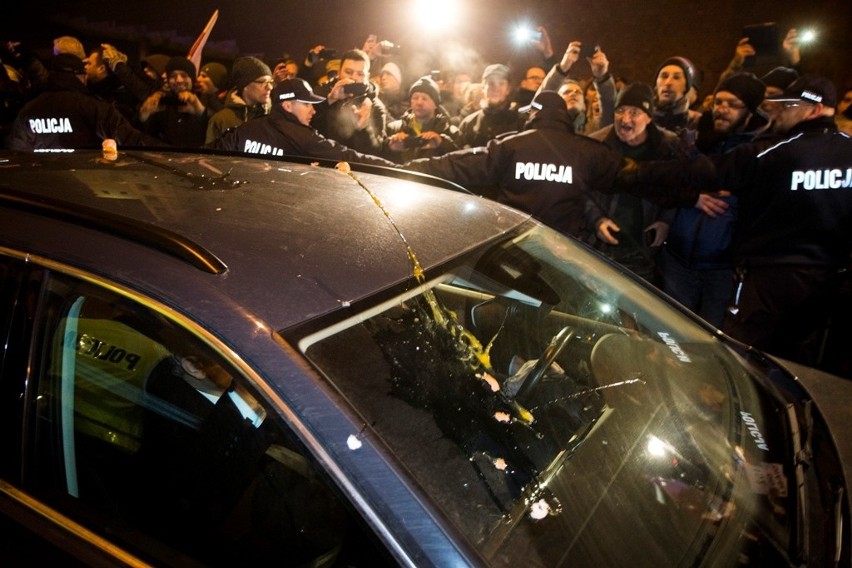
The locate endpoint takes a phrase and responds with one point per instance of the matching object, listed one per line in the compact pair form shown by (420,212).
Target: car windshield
(559,412)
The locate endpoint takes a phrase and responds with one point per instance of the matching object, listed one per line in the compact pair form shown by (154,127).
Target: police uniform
(280,134)
(66,116)
(546,170)
(794,232)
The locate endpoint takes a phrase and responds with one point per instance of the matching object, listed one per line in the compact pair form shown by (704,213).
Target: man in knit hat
(498,116)
(212,85)
(624,227)
(391,92)
(176,115)
(675,78)
(425,129)
(249,98)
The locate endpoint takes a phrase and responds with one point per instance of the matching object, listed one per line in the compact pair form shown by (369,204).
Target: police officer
(67,116)
(287,130)
(794,231)
(545,170)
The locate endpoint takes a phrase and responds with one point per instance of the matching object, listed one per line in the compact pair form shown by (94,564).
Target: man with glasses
(696,265)
(794,231)
(249,98)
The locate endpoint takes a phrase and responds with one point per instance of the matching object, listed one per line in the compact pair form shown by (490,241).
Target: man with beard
(696,263)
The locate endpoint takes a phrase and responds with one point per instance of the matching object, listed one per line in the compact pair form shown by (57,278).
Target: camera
(355,89)
(588,49)
(414,142)
(327,54)
(389,48)
(170,99)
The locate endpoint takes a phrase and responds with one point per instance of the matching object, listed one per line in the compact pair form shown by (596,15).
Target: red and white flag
(194,54)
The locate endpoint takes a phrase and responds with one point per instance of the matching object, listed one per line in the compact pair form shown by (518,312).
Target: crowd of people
(738,204)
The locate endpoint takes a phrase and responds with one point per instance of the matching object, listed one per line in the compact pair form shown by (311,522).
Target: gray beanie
(247,69)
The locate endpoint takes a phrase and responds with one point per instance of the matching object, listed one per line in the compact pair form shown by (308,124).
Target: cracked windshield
(535,392)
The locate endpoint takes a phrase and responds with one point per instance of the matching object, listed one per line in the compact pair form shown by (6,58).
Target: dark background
(636,36)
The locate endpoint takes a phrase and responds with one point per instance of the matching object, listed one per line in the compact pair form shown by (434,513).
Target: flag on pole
(194,54)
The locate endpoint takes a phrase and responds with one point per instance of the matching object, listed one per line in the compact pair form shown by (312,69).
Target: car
(223,360)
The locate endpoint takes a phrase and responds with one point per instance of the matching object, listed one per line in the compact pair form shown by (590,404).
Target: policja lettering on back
(821,179)
(50,125)
(545,172)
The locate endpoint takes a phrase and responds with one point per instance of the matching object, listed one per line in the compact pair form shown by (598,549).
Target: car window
(147,435)
(546,402)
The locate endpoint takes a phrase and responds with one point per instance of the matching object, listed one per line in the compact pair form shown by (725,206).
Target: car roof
(307,232)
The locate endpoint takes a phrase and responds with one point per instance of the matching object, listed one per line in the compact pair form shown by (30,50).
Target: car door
(144,442)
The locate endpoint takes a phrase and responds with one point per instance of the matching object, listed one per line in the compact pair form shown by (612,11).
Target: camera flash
(807,36)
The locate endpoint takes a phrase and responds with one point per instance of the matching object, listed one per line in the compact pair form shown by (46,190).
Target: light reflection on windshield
(557,411)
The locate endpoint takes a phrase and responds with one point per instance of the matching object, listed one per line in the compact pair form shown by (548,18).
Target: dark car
(216,360)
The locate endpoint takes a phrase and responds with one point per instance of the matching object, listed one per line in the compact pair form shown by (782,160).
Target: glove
(112,56)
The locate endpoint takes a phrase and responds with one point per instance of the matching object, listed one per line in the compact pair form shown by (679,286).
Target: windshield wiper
(802,454)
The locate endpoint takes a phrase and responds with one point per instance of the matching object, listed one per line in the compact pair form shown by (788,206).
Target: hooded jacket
(235,113)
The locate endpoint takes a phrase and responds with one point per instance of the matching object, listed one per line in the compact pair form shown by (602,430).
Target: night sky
(635,35)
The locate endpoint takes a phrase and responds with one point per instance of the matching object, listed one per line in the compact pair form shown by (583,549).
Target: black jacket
(280,134)
(546,170)
(795,194)
(67,116)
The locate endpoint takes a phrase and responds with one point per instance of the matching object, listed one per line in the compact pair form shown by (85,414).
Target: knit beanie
(393,69)
(689,70)
(157,62)
(217,72)
(780,77)
(746,87)
(637,95)
(178,63)
(67,63)
(426,85)
(248,69)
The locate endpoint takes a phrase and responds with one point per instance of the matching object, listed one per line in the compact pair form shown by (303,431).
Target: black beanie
(247,69)
(689,70)
(746,87)
(780,77)
(638,95)
(426,85)
(178,63)
(67,63)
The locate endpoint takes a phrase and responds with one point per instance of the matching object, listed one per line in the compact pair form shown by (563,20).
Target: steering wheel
(551,352)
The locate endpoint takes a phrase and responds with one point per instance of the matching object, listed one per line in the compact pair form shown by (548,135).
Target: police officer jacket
(795,194)
(545,170)
(66,116)
(280,133)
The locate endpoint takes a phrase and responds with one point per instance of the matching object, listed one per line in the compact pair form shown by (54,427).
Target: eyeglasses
(794,104)
(628,112)
(727,103)
(265,82)
(535,78)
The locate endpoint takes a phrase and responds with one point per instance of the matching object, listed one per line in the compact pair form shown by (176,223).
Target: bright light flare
(437,16)
(807,36)
(656,447)
(524,33)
